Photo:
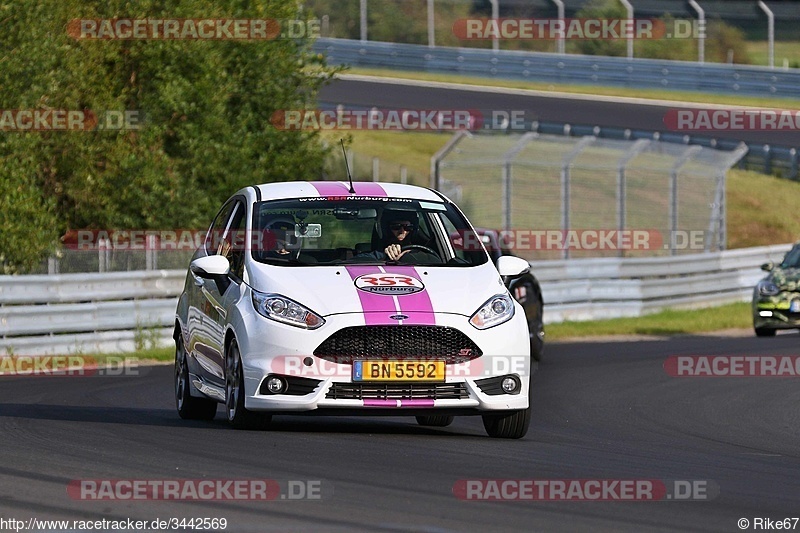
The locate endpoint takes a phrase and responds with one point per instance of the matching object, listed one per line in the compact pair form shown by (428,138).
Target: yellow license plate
(398,370)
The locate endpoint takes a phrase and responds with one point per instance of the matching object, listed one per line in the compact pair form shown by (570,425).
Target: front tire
(188,406)
(510,426)
(765,332)
(238,416)
(536,331)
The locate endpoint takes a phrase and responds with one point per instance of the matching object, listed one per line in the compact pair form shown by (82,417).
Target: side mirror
(214,267)
(210,267)
(767,267)
(511,266)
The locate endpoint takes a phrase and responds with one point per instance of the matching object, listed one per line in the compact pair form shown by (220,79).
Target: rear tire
(438,421)
(238,416)
(765,332)
(188,406)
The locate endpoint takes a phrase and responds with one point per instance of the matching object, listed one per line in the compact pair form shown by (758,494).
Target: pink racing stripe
(380,403)
(338,188)
(367,188)
(416,403)
(417,306)
(377,308)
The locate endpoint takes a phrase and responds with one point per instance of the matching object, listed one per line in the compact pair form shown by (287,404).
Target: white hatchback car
(315,297)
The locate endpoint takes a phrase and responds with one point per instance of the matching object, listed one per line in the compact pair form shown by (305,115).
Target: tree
(205,109)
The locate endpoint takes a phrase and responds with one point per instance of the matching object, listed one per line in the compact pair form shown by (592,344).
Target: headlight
(282,309)
(496,310)
(767,288)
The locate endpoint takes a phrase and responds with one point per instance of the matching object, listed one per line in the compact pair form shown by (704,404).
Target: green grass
(152,354)
(670,322)
(659,94)
(788,50)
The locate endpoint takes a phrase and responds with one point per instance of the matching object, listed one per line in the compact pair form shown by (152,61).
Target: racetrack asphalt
(601,410)
(573,109)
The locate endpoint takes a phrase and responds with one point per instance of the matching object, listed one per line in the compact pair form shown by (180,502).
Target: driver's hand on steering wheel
(394,252)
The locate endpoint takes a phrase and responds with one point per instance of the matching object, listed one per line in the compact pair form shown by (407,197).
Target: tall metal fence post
(634,150)
(673,194)
(431,31)
(441,154)
(701,33)
(376,169)
(507,174)
(565,189)
(363,20)
(403,174)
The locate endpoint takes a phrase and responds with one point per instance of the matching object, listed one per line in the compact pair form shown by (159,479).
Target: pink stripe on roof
(338,188)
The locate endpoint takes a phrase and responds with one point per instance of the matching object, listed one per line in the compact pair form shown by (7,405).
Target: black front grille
(398,342)
(397,391)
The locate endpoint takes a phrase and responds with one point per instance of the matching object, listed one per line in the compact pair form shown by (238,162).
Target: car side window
(235,238)
(215,233)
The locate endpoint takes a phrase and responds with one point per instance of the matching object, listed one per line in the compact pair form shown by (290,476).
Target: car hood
(787,279)
(382,290)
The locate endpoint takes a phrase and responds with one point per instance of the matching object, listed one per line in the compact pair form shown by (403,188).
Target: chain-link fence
(129,250)
(551,196)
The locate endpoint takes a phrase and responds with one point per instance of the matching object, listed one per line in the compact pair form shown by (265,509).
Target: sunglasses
(404,227)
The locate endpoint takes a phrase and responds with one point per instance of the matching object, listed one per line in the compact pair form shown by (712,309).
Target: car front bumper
(289,352)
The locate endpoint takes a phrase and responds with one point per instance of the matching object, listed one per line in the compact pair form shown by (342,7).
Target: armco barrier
(87,313)
(587,289)
(90,313)
(566,68)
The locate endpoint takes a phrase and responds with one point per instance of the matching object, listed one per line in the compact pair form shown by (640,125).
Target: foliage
(204,106)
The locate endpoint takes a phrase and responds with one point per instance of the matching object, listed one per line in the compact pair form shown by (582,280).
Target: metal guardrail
(588,289)
(597,70)
(566,68)
(91,313)
(87,313)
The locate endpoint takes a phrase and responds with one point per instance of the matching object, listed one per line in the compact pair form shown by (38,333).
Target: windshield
(360,230)
(792,259)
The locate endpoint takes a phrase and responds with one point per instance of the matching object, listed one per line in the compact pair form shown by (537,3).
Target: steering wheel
(419,247)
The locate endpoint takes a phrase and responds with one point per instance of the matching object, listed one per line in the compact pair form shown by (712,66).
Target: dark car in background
(524,288)
(776,298)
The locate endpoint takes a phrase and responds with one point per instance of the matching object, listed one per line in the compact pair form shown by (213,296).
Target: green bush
(205,105)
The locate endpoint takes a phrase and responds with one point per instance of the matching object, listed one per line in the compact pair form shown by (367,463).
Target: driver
(277,232)
(398,230)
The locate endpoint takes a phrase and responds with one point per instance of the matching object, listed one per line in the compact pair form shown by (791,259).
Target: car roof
(311,189)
